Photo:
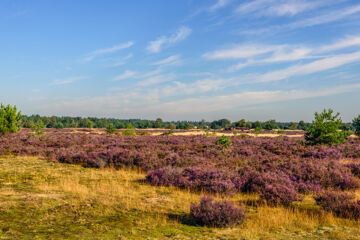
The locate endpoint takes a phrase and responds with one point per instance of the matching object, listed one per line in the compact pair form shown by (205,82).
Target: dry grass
(61,201)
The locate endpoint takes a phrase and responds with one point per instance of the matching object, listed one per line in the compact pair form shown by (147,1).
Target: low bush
(341,204)
(224,141)
(279,194)
(216,214)
(355,168)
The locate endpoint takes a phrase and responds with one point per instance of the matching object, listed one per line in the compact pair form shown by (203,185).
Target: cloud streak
(67,80)
(91,56)
(181,34)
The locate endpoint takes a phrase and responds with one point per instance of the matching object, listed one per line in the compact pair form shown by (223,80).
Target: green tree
(202,124)
(10,119)
(356,125)
(110,129)
(292,126)
(158,123)
(240,123)
(325,129)
(257,125)
(270,125)
(38,127)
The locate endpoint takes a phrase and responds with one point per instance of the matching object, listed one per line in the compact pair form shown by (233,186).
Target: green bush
(356,125)
(224,141)
(9,119)
(38,127)
(325,129)
(110,129)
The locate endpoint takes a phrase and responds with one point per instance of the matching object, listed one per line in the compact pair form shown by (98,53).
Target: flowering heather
(216,214)
(341,204)
(279,169)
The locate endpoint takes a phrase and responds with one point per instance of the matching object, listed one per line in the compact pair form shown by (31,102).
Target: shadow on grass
(183,218)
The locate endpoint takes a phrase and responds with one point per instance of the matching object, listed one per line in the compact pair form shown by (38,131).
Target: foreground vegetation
(46,200)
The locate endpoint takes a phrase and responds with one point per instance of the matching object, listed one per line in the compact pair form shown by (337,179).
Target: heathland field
(84,185)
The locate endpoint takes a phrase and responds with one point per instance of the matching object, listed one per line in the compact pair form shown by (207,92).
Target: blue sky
(181,59)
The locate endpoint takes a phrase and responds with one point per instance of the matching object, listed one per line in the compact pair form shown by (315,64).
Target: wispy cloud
(309,68)
(219,4)
(242,51)
(321,18)
(156,80)
(349,41)
(91,56)
(122,61)
(181,34)
(67,80)
(125,75)
(248,98)
(172,60)
(277,7)
(137,104)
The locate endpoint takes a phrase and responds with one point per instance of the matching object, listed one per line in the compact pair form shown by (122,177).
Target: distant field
(45,200)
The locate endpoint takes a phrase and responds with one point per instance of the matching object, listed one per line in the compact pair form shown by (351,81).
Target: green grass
(45,200)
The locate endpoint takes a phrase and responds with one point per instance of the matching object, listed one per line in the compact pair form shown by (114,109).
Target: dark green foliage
(224,141)
(9,119)
(356,125)
(222,123)
(110,129)
(292,126)
(158,123)
(241,123)
(325,129)
(257,124)
(270,125)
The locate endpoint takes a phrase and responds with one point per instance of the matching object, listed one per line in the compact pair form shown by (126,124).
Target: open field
(136,187)
(46,200)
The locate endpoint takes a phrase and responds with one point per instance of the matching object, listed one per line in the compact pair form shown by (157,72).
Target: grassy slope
(43,200)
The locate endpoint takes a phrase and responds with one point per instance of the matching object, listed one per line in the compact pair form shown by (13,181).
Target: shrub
(341,204)
(216,214)
(280,194)
(130,130)
(325,129)
(355,168)
(38,127)
(110,129)
(9,119)
(224,141)
(356,125)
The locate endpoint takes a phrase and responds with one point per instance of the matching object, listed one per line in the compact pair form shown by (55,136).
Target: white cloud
(240,52)
(281,54)
(136,104)
(219,4)
(309,68)
(277,7)
(349,41)
(172,60)
(156,80)
(67,80)
(103,51)
(319,19)
(190,106)
(125,75)
(181,34)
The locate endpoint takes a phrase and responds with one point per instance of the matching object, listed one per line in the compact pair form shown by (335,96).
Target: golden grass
(123,191)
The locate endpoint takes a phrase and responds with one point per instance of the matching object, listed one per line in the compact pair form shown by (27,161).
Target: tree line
(93,122)
(11,120)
